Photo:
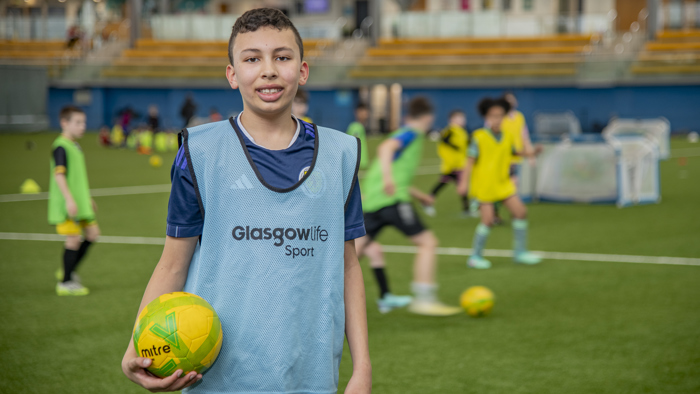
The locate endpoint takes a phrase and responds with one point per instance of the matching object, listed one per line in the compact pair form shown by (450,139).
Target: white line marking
(165,188)
(104,192)
(615,258)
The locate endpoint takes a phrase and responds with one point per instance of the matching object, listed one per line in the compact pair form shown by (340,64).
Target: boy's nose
(269,71)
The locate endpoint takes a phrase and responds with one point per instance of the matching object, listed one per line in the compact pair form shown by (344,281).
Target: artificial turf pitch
(560,327)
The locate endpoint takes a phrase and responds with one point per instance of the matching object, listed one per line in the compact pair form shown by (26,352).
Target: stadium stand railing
(473,57)
(673,52)
(184,59)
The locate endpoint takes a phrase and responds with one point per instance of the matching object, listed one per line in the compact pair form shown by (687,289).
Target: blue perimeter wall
(334,108)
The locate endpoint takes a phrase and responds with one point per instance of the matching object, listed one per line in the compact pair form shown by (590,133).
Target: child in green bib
(71,209)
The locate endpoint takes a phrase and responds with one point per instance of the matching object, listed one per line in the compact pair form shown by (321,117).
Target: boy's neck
(68,136)
(415,126)
(272,132)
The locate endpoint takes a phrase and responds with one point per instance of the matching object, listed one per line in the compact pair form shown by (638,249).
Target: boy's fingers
(166,382)
(138,363)
(182,382)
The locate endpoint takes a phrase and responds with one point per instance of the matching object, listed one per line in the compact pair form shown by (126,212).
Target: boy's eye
(283,58)
(251,60)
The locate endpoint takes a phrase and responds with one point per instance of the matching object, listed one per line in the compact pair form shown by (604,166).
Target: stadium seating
(54,55)
(473,57)
(673,52)
(183,59)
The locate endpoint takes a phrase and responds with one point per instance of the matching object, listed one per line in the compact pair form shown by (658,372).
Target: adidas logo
(242,183)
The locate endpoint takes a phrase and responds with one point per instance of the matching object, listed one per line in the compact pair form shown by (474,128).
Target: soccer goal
(638,171)
(657,131)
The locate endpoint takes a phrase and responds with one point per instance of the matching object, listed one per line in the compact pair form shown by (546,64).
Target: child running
(387,202)
(487,173)
(452,150)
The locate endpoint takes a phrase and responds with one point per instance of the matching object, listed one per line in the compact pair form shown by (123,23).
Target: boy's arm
(71,206)
(463,186)
(356,324)
(424,198)
(169,275)
(385,153)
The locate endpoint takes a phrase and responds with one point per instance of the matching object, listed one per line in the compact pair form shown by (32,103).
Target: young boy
(71,209)
(300,106)
(452,149)
(490,155)
(262,218)
(357,129)
(387,201)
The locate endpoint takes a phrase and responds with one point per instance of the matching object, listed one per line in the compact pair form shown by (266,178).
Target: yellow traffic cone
(30,187)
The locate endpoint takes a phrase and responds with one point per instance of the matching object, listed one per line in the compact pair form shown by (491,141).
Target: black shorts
(400,215)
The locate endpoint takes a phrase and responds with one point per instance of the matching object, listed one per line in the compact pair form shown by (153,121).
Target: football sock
(480,237)
(465,203)
(381,281)
(424,292)
(437,188)
(81,252)
(519,236)
(69,259)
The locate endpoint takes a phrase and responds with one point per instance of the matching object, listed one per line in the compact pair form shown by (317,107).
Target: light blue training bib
(271,262)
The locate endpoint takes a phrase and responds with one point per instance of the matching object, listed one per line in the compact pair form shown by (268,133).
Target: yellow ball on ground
(178,331)
(477,301)
(155,161)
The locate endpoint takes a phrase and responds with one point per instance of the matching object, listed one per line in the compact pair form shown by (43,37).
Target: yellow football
(477,301)
(178,331)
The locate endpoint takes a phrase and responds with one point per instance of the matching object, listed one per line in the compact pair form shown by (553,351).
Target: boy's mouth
(269,93)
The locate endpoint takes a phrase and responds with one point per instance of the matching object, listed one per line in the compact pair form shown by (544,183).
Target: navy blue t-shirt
(279,168)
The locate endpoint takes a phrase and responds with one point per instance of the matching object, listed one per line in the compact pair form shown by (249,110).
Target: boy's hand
(538,149)
(427,199)
(72,208)
(94,205)
(360,383)
(134,370)
(389,187)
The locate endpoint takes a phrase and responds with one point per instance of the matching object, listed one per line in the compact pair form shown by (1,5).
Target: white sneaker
(430,210)
(71,288)
(390,302)
(433,308)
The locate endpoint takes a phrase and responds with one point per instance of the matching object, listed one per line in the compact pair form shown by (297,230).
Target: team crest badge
(314,184)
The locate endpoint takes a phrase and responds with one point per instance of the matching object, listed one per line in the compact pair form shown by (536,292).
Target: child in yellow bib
(452,150)
(487,175)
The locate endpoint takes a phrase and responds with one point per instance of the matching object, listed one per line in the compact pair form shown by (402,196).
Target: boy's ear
(303,73)
(231,77)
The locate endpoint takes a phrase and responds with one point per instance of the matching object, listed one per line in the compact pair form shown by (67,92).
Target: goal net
(657,131)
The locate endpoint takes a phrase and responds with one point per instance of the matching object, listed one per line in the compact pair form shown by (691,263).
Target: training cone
(155,161)
(30,187)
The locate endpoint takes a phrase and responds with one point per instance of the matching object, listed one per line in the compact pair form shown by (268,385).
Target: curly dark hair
(261,17)
(487,103)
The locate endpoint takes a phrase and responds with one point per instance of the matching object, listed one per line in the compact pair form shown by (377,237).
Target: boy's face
(299,107)
(512,101)
(74,126)
(494,117)
(362,114)
(267,69)
(424,122)
(459,120)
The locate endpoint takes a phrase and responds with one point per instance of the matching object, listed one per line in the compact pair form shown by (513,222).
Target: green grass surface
(563,326)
